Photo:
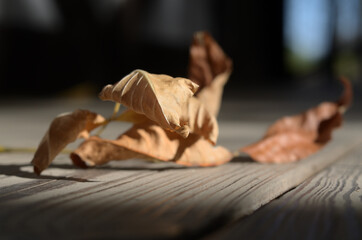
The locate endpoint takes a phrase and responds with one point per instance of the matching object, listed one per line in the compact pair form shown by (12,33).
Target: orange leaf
(283,147)
(150,141)
(210,68)
(159,97)
(346,99)
(293,138)
(307,121)
(64,129)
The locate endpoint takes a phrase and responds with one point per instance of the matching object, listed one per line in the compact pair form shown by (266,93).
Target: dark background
(73,48)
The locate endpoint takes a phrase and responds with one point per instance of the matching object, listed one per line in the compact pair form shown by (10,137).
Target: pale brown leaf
(150,141)
(293,138)
(207,59)
(64,129)
(198,152)
(198,120)
(211,95)
(210,68)
(161,98)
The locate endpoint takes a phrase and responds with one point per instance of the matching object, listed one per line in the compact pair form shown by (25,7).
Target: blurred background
(72,48)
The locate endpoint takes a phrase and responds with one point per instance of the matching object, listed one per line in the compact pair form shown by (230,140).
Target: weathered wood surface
(326,206)
(135,198)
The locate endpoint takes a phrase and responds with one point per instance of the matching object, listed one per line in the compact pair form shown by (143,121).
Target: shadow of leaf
(15,170)
(130,165)
(243,159)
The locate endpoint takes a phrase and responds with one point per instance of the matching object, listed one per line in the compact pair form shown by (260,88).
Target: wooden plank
(326,206)
(140,199)
(120,200)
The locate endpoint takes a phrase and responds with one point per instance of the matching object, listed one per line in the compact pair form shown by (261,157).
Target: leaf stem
(113,117)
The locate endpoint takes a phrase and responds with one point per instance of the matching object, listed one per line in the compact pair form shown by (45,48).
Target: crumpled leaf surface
(150,141)
(159,97)
(200,121)
(64,129)
(193,114)
(210,68)
(170,124)
(293,138)
(307,121)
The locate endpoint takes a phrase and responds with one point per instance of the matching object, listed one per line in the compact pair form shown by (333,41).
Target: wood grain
(141,199)
(162,200)
(326,206)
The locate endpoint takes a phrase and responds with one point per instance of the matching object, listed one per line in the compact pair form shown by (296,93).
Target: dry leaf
(200,121)
(199,152)
(161,98)
(307,121)
(132,116)
(326,127)
(207,60)
(293,138)
(347,96)
(150,141)
(64,129)
(159,106)
(210,68)
(283,147)
(211,95)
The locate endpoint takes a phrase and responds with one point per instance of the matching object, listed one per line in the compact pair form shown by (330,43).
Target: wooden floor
(326,206)
(317,198)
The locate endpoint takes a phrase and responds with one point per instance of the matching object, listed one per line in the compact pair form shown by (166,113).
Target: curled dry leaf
(293,138)
(199,152)
(347,96)
(283,147)
(159,106)
(169,104)
(307,121)
(210,68)
(207,60)
(159,97)
(150,141)
(200,121)
(192,113)
(211,95)
(64,129)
